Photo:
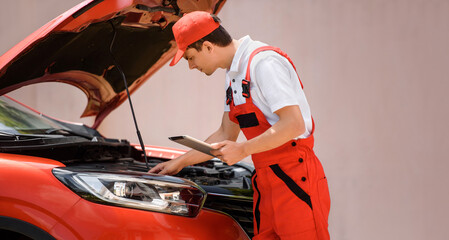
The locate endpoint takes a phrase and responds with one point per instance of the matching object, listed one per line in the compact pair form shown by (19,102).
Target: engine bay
(118,155)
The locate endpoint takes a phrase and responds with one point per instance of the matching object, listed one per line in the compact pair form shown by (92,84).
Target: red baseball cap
(190,28)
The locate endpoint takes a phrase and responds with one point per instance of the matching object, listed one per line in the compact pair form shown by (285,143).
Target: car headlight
(147,192)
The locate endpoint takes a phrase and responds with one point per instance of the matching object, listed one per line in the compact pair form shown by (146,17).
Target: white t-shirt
(274,82)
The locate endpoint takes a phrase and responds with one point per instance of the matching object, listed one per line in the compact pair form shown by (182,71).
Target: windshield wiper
(63,131)
(58,131)
(8,135)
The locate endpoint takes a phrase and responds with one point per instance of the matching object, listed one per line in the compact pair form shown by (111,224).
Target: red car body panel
(36,198)
(102,98)
(107,222)
(42,200)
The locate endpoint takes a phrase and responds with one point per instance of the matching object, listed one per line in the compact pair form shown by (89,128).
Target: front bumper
(87,220)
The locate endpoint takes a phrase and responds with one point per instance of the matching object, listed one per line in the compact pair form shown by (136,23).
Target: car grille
(241,209)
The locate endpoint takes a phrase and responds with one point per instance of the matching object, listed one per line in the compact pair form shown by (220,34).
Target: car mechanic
(264,99)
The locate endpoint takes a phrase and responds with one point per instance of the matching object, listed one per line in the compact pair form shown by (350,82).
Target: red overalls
(291,196)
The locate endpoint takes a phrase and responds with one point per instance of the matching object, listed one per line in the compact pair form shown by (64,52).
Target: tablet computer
(193,143)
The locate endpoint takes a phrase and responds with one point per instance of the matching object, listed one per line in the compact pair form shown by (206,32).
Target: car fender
(29,192)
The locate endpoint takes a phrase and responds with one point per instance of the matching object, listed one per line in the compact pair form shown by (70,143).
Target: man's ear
(208,46)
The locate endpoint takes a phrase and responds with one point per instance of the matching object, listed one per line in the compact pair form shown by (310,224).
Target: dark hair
(219,37)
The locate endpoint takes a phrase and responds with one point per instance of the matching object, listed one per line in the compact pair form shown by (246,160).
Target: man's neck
(228,54)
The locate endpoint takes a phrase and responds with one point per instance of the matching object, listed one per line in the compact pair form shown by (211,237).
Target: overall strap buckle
(228,95)
(245,88)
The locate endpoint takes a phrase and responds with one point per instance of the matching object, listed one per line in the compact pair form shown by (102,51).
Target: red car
(61,180)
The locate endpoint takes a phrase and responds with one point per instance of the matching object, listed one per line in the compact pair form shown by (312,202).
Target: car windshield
(17,119)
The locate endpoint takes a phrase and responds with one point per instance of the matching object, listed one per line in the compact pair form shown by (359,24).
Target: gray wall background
(376,76)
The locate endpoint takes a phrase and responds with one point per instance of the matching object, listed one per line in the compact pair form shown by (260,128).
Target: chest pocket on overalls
(247,120)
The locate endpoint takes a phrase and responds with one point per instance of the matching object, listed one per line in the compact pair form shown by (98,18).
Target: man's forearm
(289,126)
(223,133)
(280,133)
(193,157)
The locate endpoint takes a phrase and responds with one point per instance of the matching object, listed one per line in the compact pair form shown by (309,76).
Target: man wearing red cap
(265,100)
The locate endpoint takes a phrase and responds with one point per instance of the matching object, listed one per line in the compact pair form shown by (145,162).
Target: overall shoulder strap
(268,48)
(280,52)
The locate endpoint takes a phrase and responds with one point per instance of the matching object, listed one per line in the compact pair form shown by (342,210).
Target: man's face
(202,60)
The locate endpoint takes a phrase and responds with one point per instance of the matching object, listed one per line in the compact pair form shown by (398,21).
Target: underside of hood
(74,49)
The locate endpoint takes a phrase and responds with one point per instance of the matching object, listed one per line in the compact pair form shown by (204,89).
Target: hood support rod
(127,92)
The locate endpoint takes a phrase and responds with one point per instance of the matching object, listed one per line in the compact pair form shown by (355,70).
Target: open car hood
(73,48)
